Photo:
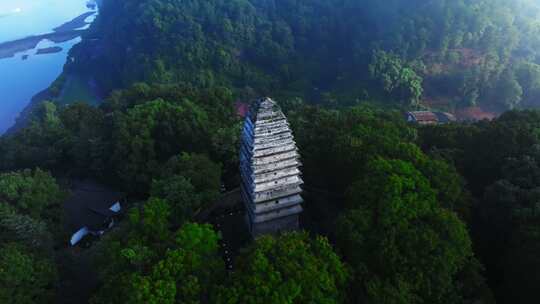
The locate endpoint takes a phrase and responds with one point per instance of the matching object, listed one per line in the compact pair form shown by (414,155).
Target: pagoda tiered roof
(269,163)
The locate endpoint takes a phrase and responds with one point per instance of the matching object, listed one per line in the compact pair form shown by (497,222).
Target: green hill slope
(446,54)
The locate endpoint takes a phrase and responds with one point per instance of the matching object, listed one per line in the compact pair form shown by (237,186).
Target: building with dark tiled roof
(91,209)
(429,117)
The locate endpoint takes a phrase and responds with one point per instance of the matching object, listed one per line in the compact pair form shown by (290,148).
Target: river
(30,65)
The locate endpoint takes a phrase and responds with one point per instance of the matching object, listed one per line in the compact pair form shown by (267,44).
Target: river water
(28,73)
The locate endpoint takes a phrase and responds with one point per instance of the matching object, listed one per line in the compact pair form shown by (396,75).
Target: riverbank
(71,88)
(24,116)
(74,88)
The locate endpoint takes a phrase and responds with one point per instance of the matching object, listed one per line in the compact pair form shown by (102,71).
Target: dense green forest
(440,214)
(395,213)
(442,54)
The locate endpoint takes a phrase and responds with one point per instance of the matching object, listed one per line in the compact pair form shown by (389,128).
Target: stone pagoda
(269,166)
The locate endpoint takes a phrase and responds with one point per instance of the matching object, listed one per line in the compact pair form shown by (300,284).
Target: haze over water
(21,79)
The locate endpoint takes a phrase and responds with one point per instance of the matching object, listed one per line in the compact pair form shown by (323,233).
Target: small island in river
(67,31)
(75,23)
(10,48)
(49,50)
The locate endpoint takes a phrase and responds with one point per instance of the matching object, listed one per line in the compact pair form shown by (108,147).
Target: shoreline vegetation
(65,87)
(25,114)
(65,32)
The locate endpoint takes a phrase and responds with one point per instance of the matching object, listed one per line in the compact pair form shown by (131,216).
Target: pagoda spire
(269,166)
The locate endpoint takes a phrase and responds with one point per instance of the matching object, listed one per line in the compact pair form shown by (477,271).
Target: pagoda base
(275,226)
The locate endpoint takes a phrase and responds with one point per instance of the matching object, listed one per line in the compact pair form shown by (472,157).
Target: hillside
(445,54)
(393,212)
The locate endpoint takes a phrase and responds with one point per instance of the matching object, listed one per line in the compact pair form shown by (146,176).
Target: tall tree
(403,247)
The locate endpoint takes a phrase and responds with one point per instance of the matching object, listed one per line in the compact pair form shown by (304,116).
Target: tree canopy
(394,212)
(450,53)
(401,243)
(25,278)
(291,268)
